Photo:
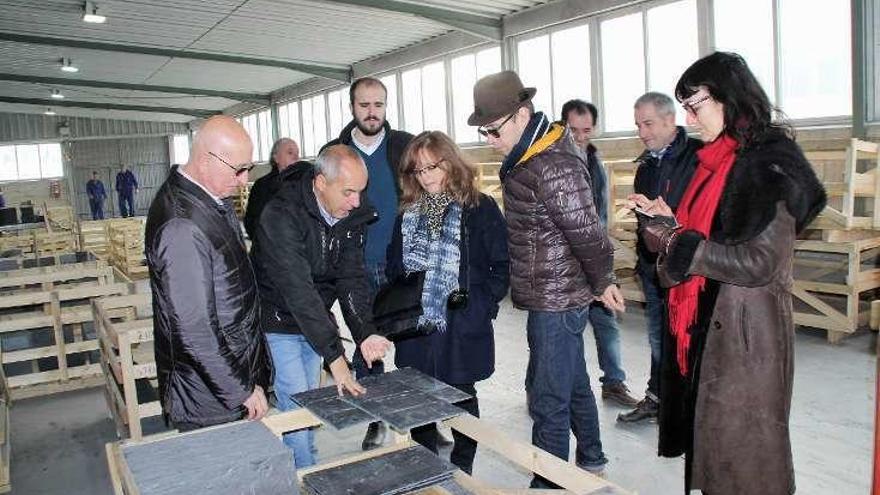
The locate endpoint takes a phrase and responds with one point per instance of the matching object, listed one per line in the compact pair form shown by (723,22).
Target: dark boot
(375,436)
(618,393)
(647,409)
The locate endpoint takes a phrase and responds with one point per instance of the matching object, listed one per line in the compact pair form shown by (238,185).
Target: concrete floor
(57,441)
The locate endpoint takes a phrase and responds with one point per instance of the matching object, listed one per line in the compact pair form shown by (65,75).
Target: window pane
(672,46)
(28,156)
(319,117)
(181,149)
(334,109)
(434,97)
(265,135)
(308,144)
(570,49)
(293,128)
(623,69)
(250,124)
(753,44)
(51,164)
(8,168)
(283,121)
(816,65)
(412,100)
(488,62)
(464,74)
(533,63)
(390,83)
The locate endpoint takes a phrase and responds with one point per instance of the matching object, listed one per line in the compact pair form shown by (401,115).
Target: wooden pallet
(520,454)
(125,333)
(39,305)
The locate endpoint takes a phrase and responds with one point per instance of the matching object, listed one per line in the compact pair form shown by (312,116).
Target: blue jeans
(376,278)
(607,343)
(655,312)
(297,368)
(97,207)
(558,387)
(123,199)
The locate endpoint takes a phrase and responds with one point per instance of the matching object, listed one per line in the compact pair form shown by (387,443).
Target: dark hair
(460,174)
(579,107)
(365,81)
(748,114)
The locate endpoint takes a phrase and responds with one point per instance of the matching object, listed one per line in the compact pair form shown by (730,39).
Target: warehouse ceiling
(182,59)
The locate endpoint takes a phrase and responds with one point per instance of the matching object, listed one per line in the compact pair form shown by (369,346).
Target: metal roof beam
(337,72)
(195,112)
(63,81)
(477,25)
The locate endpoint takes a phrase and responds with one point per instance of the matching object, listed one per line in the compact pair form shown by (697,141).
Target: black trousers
(464,448)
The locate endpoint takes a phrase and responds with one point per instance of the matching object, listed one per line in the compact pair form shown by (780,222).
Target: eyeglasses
(238,170)
(417,172)
(486,131)
(691,107)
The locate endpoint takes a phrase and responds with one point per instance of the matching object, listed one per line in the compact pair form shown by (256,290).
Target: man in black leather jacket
(211,356)
(283,160)
(309,253)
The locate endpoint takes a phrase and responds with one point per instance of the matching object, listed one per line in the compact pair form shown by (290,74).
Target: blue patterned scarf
(434,250)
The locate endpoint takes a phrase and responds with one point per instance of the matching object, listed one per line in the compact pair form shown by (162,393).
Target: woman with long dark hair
(727,256)
(458,236)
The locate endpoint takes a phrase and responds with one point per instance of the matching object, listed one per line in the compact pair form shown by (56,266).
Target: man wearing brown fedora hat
(561,261)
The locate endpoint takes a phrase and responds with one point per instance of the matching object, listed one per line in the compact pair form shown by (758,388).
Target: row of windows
(610,60)
(30,161)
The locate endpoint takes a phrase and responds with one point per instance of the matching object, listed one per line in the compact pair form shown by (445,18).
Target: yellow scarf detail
(556,131)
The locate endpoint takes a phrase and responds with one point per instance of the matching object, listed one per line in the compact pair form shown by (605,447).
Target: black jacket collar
(200,195)
(675,147)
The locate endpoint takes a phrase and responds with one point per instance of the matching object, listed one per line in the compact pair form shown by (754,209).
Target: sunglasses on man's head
(493,131)
(238,170)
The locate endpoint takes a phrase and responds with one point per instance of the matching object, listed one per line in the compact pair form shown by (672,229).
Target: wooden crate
(832,278)
(127,248)
(93,235)
(521,454)
(59,217)
(850,179)
(240,200)
(125,332)
(37,306)
(488,181)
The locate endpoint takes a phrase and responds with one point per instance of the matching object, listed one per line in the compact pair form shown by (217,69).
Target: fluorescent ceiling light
(67,65)
(49,111)
(56,94)
(90,14)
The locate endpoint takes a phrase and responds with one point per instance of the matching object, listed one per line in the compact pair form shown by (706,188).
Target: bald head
(220,151)
(340,178)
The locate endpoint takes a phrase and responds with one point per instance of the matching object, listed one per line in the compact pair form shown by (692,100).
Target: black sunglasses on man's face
(493,131)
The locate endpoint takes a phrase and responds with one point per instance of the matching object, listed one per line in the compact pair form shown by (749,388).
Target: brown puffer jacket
(560,254)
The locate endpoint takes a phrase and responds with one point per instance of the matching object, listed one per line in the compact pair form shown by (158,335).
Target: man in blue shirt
(126,188)
(97,194)
(580,117)
(381,148)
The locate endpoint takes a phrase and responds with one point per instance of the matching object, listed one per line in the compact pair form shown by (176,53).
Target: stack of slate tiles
(403,399)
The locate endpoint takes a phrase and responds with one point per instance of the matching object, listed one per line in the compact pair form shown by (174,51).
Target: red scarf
(696,212)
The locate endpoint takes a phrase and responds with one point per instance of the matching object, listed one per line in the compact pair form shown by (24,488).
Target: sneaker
(375,436)
(646,409)
(594,470)
(618,393)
